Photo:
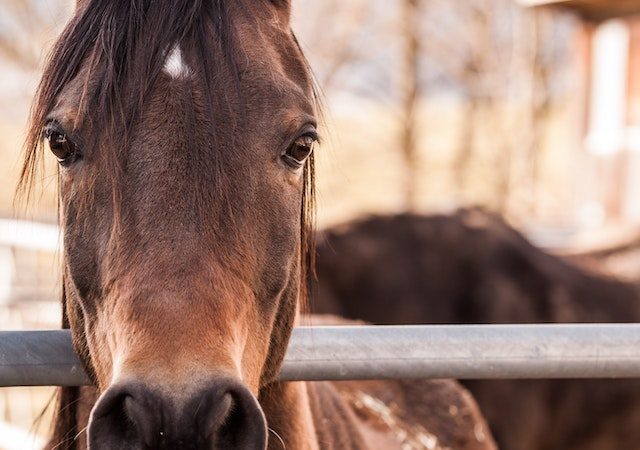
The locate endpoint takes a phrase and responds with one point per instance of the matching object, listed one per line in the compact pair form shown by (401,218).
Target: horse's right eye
(63,148)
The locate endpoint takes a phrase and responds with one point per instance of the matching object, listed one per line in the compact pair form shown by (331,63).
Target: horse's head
(183,130)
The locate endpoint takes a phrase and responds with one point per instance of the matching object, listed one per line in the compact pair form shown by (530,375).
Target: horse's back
(472,267)
(402,414)
(395,414)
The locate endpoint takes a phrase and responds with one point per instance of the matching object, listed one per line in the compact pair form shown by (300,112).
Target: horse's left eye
(63,148)
(298,152)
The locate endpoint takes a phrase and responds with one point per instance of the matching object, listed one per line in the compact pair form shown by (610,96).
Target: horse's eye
(63,148)
(300,150)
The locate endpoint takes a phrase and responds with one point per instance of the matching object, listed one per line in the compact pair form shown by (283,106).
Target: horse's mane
(119,48)
(122,46)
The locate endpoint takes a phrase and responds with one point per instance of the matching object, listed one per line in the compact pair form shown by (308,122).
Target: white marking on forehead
(175,66)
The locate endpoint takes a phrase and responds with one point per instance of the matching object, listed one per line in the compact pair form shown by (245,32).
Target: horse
(184,133)
(471,267)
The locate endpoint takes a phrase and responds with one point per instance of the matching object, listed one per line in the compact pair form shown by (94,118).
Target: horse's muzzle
(132,416)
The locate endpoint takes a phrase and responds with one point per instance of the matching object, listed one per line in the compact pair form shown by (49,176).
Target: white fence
(23,245)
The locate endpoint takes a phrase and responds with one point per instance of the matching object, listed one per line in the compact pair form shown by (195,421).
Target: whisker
(278,436)
(80,432)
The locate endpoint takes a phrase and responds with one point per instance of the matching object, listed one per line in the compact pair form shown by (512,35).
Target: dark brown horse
(472,267)
(184,132)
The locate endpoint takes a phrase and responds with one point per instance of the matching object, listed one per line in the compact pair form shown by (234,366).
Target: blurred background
(528,109)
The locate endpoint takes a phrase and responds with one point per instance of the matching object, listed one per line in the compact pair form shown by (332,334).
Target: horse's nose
(223,416)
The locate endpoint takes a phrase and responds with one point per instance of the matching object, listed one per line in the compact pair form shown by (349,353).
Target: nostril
(111,425)
(216,412)
(144,421)
(232,419)
(121,419)
(227,434)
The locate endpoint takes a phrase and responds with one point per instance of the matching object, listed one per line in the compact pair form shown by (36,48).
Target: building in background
(608,59)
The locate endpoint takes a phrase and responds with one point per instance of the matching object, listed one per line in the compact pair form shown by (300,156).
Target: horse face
(182,167)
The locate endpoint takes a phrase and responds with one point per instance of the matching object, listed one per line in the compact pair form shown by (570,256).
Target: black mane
(122,46)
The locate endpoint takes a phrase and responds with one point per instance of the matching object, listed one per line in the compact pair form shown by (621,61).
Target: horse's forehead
(272,72)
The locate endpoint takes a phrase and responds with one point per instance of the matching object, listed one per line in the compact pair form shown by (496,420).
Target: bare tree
(27,28)
(500,60)
(337,46)
(541,68)
(411,94)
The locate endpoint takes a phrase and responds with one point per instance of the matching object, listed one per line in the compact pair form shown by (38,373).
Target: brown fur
(186,233)
(471,267)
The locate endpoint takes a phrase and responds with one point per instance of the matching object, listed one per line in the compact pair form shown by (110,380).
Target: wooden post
(632,185)
(584,193)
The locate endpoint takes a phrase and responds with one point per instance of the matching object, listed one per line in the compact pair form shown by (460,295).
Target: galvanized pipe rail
(35,358)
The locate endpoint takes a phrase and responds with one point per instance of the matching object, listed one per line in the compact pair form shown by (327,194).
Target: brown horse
(471,267)
(184,132)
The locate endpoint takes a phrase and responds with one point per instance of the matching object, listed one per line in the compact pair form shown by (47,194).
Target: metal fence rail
(34,358)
